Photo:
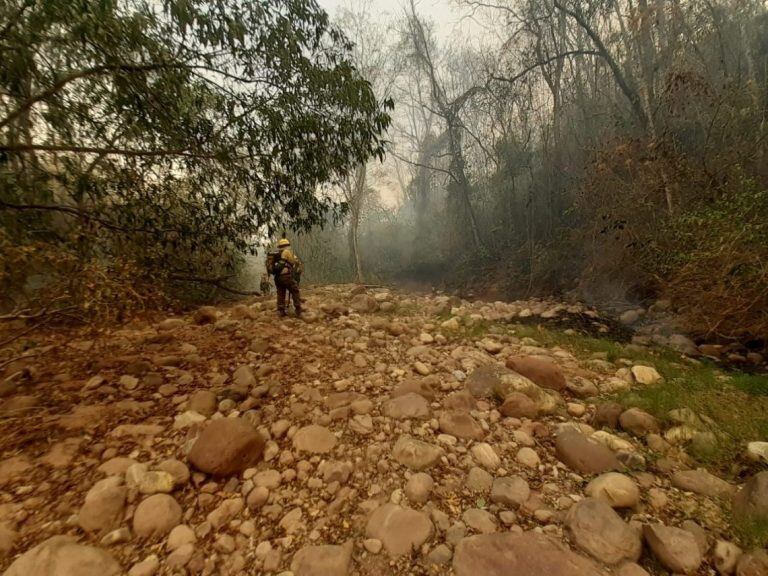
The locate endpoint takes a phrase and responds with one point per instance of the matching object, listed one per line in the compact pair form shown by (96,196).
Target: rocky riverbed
(381,434)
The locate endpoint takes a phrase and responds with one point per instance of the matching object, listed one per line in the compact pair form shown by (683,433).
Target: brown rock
(364,304)
(421,386)
(702,482)
(632,569)
(607,415)
(203,402)
(401,530)
(415,454)
(461,400)
(13,468)
(527,554)
(596,529)
(409,405)
(18,405)
(584,455)
(460,424)
(751,502)
(511,491)
(314,439)
(226,446)
(753,563)
(8,537)
(701,535)
(205,315)
(104,506)
(484,381)
(615,489)
(675,548)
(518,405)
(63,556)
(323,560)
(638,422)
(156,516)
(542,371)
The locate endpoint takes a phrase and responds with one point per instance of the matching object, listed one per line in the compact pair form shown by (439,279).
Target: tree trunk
(356,206)
(462,183)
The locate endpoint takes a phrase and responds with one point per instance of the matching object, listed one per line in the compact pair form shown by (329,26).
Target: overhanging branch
(541,63)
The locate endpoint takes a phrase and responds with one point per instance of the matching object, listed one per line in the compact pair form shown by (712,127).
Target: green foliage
(714,258)
(751,532)
(736,403)
(175,132)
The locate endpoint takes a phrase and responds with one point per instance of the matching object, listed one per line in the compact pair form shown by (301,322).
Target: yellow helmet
(283,243)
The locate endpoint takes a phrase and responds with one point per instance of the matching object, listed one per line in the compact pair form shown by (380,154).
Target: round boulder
(156,516)
(616,490)
(226,446)
(63,556)
(542,371)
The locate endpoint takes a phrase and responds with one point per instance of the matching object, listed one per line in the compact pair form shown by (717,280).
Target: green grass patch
(754,384)
(736,402)
(586,347)
(752,533)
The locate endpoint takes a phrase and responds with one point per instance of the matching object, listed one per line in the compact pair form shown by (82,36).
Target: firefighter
(286,268)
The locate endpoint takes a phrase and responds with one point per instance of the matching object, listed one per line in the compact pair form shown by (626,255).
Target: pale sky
(451,22)
(446,14)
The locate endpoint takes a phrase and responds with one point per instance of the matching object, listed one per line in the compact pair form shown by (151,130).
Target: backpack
(275,263)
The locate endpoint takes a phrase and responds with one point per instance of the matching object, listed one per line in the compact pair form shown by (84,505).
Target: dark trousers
(287,283)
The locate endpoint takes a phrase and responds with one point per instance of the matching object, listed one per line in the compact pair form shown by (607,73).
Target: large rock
(364,304)
(518,405)
(638,422)
(205,315)
(485,381)
(8,538)
(511,491)
(607,415)
(243,379)
(596,529)
(314,439)
(147,481)
(480,521)
(419,487)
(461,400)
(401,530)
(460,424)
(726,556)
(700,481)
(226,446)
(675,548)
(421,386)
(323,560)
(203,402)
(415,454)
(645,375)
(753,563)
(485,455)
(104,506)
(63,556)
(156,516)
(493,381)
(751,502)
(616,490)
(511,554)
(409,405)
(583,454)
(542,371)
(683,344)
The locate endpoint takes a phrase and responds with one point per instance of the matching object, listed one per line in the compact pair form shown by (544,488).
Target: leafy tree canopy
(175,127)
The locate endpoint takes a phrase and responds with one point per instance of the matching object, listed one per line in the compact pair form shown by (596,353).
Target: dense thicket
(148,142)
(612,147)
